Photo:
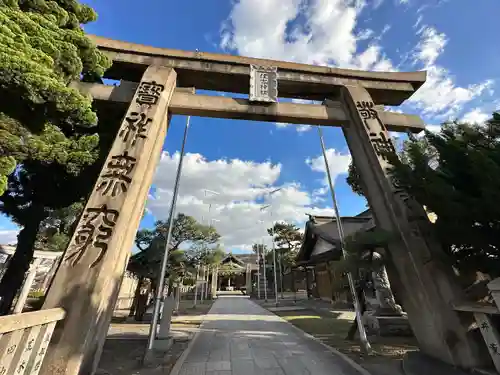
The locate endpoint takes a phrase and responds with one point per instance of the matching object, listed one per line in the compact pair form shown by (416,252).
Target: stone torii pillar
(424,281)
(87,282)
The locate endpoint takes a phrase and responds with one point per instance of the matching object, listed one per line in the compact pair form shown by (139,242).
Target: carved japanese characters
(97,224)
(93,232)
(116,177)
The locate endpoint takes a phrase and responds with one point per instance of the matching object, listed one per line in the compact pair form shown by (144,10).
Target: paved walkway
(238,337)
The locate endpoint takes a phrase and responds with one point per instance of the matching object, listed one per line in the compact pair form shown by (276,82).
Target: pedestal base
(154,356)
(387,325)
(163,344)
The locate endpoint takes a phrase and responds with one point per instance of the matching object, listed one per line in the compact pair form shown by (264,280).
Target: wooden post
(88,280)
(417,267)
(330,278)
(28,282)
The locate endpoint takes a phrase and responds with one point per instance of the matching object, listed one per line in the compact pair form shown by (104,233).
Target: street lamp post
(196,284)
(258,264)
(209,220)
(362,333)
(203,268)
(263,251)
(274,248)
(281,274)
(213,267)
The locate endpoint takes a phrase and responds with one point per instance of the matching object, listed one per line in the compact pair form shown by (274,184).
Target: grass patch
(332,330)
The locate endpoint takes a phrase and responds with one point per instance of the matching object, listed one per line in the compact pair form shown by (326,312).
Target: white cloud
(282,124)
(476,116)
(431,45)
(440,96)
(337,162)
(243,188)
(8,236)
(303,128)
(262,29)
(328,32)
(432,128)
(298,128)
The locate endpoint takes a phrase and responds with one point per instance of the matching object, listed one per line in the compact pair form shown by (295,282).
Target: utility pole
(274,248)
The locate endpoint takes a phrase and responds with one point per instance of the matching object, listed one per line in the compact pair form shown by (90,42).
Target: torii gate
(155,85)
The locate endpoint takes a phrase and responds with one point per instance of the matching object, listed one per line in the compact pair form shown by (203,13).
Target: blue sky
(242,161)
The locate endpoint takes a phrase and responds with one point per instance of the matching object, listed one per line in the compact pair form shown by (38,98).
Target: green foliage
(45,126)
(288,239)
(354,179)
(36,294)
(56,230)
(186,230)
(42,49)
(7,166)
(456,174)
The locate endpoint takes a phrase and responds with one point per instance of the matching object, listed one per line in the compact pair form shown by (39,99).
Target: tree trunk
(136,296)
(170,287)
(20,261)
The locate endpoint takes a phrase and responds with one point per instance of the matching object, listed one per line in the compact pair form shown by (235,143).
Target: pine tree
(48,146)
(456,175)
(185,230)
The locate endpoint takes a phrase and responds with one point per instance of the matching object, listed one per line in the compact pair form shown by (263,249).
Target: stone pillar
(28,282)
(416,265)
(163,340)
(248,275)
(215,276)
(88,280)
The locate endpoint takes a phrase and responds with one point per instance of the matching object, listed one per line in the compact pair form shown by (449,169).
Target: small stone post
(423,280)
(163,339)
(87,282)
(248,275)
(215,276)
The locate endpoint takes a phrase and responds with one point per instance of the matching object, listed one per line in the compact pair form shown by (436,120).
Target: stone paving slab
(239,337)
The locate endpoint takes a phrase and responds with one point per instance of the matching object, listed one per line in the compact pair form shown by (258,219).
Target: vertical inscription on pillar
(97,225)
(149,93)
(116,177)
(383,147)
(93,232)
(376,129)
(136,124)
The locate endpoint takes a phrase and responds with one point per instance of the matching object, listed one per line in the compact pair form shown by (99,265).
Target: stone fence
(24,340)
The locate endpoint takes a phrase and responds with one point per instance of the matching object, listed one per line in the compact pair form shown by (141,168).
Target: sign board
(263,84)
(3,258)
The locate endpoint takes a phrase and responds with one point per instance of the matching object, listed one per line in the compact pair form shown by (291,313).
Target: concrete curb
(346,359)
(180,361)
